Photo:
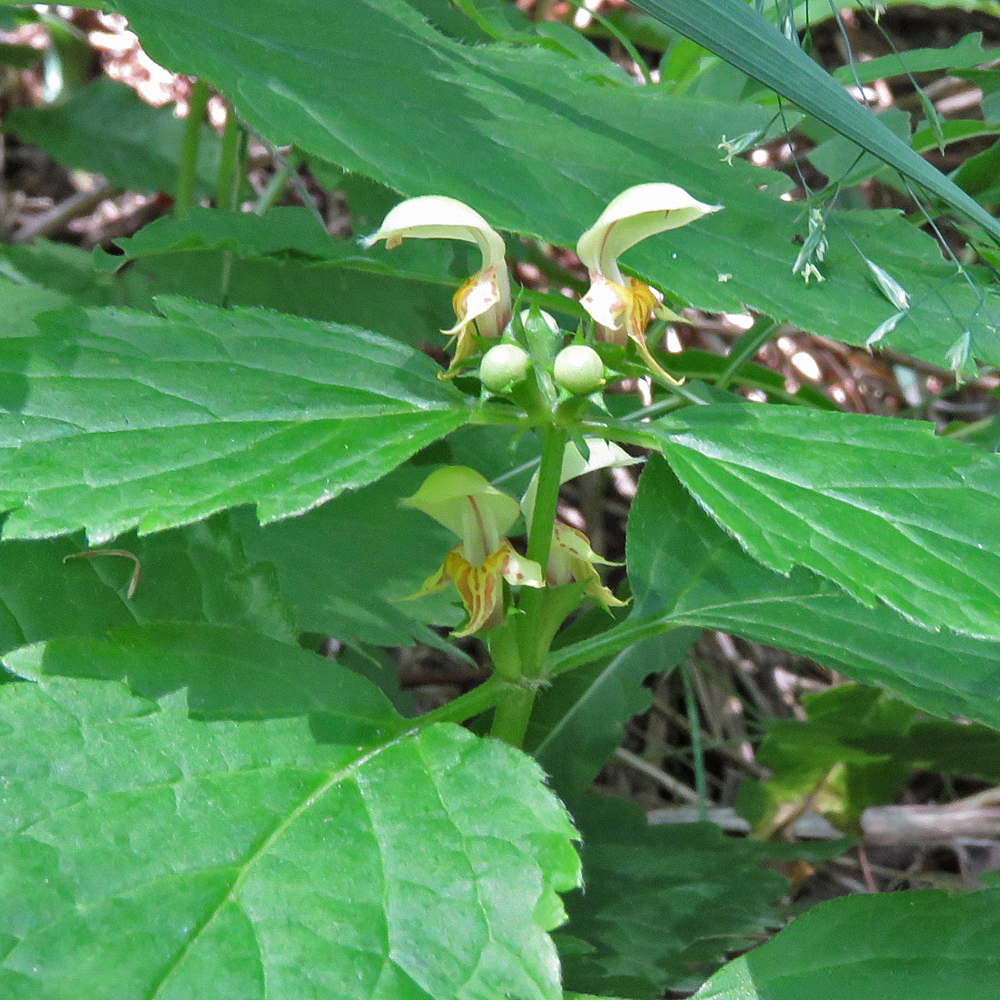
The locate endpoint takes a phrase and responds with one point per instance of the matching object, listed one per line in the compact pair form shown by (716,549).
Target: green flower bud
(502,366)
(579,370)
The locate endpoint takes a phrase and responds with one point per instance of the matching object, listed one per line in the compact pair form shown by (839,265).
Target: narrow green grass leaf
(733,30)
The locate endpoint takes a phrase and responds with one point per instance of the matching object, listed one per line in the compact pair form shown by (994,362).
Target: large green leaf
(106,128)
(291,233)
(733,30)
(882,507)
(244,858)
(894,947)
(411,310)
(228,673)
(662,906)
(532,140)
(283,261)
(580,718)
(284,230)
(199,573)
(685,570)
(119,419)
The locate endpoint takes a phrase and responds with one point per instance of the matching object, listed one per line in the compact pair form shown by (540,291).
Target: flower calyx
(503,366)
(578,369)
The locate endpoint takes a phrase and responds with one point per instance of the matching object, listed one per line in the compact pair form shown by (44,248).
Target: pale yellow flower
(623,309)
(480,515)
(484,300)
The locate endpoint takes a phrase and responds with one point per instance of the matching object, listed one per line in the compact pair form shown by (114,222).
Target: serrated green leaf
(481,124)
(119,419)
(882,507)
(685,570)
(69,270)
(108,129)
(286,261)
(174,853)
(290,233)
(197,573)
(284,230)
(894,946)
(579,720)
(411,310)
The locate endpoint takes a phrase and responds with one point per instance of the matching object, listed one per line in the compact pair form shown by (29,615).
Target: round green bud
(502,366)
(579,370)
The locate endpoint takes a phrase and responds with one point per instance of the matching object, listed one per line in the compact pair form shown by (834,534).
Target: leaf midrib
(243,871)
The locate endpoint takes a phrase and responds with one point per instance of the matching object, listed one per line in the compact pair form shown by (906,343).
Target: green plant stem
(276,185)
(514,708)
(469,705)
(510,722)
(547,495)
(745,347)
(698,749)
(198,104)
(227,190)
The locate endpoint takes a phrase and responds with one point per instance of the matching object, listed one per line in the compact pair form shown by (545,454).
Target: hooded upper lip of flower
(485,298)
(623,310)
(637,213)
